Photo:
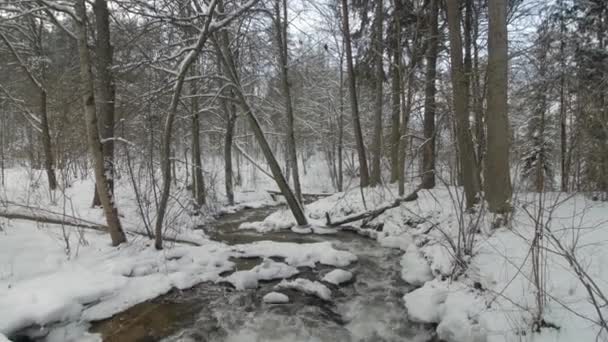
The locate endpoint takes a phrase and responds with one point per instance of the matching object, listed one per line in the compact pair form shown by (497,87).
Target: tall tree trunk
(562,102)
(198,185)
(498,180)
(363,170)
(428,151)
(106,91)
(88,97)
(45,137)
(476,89)
(341,125)
(291,152)
(395,91)
(466,149)
(376,174)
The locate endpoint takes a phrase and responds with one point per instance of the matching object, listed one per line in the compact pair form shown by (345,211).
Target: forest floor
(50,273)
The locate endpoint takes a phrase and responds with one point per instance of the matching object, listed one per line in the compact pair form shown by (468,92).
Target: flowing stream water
(369,308)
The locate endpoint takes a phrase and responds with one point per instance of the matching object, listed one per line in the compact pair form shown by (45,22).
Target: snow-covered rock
(268,270)
(275,298)
(423,304)
(298,254)
(338,277)
(414,268)
(304,285)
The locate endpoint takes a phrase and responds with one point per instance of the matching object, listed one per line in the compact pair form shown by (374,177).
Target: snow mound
(304,285)
(4,339)
(338,277)
(275,298)
(268,270)
(298,254)
(423,304)
(414,268)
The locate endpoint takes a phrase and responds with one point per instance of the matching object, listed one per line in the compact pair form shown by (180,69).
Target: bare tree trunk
(106,92)
(341,125)
(291,151)
(88,98)
(376,171)
(428,151)
(498,180)
(466,149)
(230,120)
(562,103)
(363,169)
(395,92)
(198,185)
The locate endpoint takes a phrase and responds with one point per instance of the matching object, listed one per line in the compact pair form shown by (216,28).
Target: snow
(314,288)
(296,254)
(414,268)
(4,338)
(275,298)
(268,270)
(338,277)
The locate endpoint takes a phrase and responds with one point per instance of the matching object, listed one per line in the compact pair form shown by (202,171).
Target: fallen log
(306,195)
(45,216)
(371,214)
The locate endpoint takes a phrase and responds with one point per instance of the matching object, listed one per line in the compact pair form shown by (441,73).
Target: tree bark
(292,157)
(395,92)
(352,87)
(498,180)
(466,149)
(198,185)
(376,173)
(88,97)
(106,92)
(428,151)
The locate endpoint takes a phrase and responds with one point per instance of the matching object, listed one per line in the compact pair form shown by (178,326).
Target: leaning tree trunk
(498,180)
(376,172)
(88,98)
(106,91)
(428,150)
(352,87)
(275,168)
(466,150)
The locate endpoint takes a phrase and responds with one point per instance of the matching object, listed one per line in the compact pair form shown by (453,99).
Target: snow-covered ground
(49,273)
(52,274)
(494,298)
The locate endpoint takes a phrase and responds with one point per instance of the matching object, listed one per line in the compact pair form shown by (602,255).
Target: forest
(303,170)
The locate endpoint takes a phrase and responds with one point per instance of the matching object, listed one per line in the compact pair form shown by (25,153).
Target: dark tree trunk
(376,171)
(363,169)
(428,150)
(106,93)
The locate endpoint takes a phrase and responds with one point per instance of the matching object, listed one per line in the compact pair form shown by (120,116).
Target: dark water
(369,308)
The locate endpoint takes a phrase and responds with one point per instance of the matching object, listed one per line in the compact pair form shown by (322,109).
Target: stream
(368,308)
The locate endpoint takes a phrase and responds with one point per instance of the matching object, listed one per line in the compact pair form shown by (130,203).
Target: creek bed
(368,308)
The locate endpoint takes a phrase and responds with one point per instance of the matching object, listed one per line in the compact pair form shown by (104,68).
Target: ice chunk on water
(338,277)
(275,298)
(314,288)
